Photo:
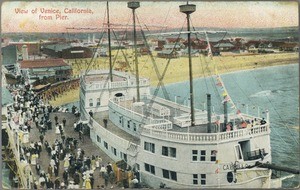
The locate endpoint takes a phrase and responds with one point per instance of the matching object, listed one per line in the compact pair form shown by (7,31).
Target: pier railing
(207,137)
(24,169)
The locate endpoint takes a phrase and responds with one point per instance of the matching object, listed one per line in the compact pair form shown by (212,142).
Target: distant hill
(282,33)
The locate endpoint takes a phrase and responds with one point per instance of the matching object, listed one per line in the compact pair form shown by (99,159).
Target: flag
(224,93)
(226,99)
(219,84)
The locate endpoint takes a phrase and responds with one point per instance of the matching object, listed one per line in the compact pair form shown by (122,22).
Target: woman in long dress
(88,183)
(33,159)
(57,130)
(67,162)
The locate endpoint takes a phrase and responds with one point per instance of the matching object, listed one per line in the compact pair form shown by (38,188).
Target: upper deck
(99,80)
(165,127)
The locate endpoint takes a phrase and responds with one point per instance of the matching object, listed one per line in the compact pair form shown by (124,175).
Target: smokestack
(209,113)
(25,52)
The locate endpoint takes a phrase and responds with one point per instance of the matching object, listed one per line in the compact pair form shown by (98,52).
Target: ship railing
(159,110)
(160,126)
(132,114)
(200,119)
(207,137)
(120,142)
(117,84)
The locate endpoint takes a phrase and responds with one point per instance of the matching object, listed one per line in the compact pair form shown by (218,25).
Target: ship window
(134,126)
(166,173)
(98,139)
(120,119)
(98,101)
(114,151)
(195,155)
(202,156)
(123,156)
(203,179)
(91,102)
(105,145)
(169,174)
(213,155)
(230,177)
(128,124)
(238,152)
(169,151)
(195,179)
(173,175)
(150,168)
(149,147)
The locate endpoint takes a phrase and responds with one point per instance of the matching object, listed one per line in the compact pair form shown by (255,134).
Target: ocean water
(274,88)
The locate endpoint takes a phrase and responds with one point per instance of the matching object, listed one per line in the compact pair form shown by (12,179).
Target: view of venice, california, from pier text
(150,94)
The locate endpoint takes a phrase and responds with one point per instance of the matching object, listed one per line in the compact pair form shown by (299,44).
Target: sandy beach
(178,68)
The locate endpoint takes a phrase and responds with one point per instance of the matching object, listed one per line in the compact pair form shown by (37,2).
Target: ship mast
(109,44)
(188,9)
(134,5)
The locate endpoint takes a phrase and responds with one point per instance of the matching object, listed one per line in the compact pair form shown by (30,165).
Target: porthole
(230,177)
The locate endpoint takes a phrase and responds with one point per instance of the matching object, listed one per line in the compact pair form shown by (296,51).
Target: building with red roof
(45,69)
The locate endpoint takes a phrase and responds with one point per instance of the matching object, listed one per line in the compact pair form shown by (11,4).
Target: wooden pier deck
(87,145)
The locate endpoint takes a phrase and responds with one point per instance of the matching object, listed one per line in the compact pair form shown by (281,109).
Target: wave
(267,93)
(262,93)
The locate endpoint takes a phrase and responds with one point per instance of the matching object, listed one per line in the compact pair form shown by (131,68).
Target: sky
(225,14)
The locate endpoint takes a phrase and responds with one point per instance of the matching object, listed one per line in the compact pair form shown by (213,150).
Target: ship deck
(177,111)
(99,116)
(102,77)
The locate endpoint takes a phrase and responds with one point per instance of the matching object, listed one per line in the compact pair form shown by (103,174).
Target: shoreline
(179,71)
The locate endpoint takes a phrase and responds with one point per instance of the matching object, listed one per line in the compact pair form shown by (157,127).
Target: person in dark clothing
(66,176)
(88,162)
(105,123)
(42,138)
(262,122)
(56,170)
(76,178)
(63,137)
(64,122)
(56,184)
(56,119)
(108,168)
(91,113)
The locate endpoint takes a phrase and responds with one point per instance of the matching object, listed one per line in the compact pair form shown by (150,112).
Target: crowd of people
(28,112)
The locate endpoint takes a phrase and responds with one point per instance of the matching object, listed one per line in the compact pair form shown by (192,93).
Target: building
(168,54)
(66,51)
(51,70)
(9,55)
(224,46)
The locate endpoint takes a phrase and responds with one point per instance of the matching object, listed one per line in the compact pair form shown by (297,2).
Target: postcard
(150,94)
